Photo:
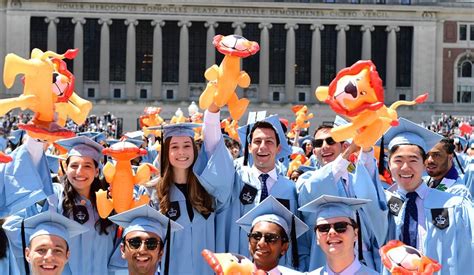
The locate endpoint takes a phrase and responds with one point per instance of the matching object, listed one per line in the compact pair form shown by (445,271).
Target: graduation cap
(271,210)
(146,218)
(52,223)
(460,140)
(178,130)
(95,136)
(82,146)
(408,132)
(244,135)
(327,207)
(307,139)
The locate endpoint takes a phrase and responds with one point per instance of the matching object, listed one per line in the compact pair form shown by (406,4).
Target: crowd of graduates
(305,204)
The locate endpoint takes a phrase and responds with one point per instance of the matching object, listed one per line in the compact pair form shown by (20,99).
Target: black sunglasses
(319,142)
(268,237)
(339,227)
(136,243)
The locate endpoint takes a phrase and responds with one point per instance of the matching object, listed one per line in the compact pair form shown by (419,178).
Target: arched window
(465,80)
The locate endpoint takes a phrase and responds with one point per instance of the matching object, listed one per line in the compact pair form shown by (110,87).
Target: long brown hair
(198,196)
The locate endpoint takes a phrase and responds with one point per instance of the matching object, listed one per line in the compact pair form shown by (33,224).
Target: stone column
(130,61)
(290,63)
(104,73)
(315,59)
(210,49)
(184,61)
(341,46)
(79,60)
(391,73)
(264,69)
(366,41)
(238,26)
(157,69)
(52,33)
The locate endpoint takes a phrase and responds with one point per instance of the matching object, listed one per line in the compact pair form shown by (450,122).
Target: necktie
(410,224)
(263,180)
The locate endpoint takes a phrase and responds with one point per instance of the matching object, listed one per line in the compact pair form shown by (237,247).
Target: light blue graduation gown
(451,246)
(186,245)
(361,185)
(454,186)
(230,237)
(21,183)
(8,265)
(90,252)
(468,178)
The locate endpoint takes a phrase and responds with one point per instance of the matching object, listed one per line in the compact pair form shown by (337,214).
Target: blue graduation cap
(16,136)
(95,136)
(408,132)
(82,146)
(271,210)
(327,207)
(145,218)
(177,130)
(51,223)
(244,135)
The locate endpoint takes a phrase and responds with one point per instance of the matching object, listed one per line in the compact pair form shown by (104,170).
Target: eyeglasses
(339,227)
(136,243)
(319,142)
(268,237)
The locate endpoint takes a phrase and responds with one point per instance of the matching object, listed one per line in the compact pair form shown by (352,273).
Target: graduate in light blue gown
(190,191)
(442,173)
(47,242)
(271,227)
(75,199)
(251,182)
(144,238)
(26,179)
(337,232)
(334,179)
(437,223)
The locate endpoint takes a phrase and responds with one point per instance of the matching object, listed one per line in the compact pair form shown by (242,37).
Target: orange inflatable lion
(224,79)
(357,93)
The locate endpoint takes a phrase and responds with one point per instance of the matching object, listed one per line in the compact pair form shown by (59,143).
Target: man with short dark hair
(441,170)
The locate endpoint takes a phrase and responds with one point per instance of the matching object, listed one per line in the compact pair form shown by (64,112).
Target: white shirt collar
(350,270)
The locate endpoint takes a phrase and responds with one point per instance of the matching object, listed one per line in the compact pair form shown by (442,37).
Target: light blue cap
(95,136)
(327,207)
(306,139)
(408,132)
(271,210)
(82,146)
(52,223)
(274,120)
(177,130)
(145,218)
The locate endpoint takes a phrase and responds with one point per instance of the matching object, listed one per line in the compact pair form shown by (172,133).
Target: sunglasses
(267,237)
(319,142)
(339,227)
(136,243)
